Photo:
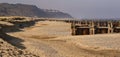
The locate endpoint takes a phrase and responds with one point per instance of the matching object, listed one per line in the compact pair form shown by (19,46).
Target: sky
(78,8)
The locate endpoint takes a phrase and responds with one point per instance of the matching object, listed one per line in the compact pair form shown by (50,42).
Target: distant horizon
(77,8)
(65,12)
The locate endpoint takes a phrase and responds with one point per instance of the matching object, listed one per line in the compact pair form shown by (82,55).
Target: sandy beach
(53,39)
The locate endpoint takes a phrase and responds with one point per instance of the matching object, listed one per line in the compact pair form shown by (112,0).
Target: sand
(7,50)
(53,39)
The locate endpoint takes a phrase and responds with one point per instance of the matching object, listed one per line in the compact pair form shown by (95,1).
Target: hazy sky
(78,8)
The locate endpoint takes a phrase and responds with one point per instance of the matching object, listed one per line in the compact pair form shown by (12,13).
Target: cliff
(29,11)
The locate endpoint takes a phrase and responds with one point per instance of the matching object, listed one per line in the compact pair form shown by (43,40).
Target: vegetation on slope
(28,10)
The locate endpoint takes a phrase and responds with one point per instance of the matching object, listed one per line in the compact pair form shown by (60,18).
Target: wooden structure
(90,27)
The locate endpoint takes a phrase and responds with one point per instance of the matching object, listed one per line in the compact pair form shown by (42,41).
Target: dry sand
(7,50)
(53,39)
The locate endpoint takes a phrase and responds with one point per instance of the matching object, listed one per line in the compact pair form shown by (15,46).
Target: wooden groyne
(78,27)
(95,27)
(91,27)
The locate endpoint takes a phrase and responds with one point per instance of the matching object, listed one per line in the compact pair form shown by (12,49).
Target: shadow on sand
(17,42)
(12,40)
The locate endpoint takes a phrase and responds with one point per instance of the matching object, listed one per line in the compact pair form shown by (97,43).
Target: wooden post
(119,24)
(98,24)
(73,28)
(110,27)
(80,23)
(91,29)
